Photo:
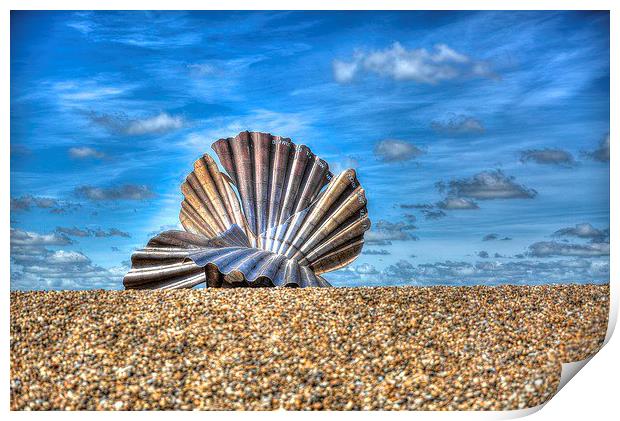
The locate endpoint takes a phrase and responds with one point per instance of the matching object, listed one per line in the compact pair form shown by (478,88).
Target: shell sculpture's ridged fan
(288,221)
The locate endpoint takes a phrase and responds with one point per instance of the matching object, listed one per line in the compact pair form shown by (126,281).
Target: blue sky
(481,138)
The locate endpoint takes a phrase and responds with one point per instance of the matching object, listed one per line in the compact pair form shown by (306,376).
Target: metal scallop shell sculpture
(278,218)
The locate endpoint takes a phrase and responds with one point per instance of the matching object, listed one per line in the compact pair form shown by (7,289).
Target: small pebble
(396,348)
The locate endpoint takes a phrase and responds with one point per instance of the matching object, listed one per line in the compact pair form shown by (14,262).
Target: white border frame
(593,393)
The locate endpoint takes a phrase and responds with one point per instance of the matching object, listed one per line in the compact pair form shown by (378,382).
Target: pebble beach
(392,348)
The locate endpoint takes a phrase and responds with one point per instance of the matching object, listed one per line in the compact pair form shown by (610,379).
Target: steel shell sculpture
(278,218)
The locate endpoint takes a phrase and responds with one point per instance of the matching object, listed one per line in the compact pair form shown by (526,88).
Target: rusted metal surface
(290,222)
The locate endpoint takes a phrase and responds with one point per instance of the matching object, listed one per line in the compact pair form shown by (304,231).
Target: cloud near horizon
(28,238)
(35,266)
(491,272)
(553,248)
(384,232)
(584,230)
(374,252)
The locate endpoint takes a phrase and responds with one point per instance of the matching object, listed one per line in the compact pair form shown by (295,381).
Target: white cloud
(120,123)
(28,238)
(27,202)
(84,26)
(487,185)
(584,230)
(552,248)
(384,232)
(86,90)
(345,72)
(458,124)
(201,69)
(366,269)
(548,156)
(158,124)
(493,272)
(393,150)
(337,166)
(34,266)
(457,203)
(124,192)
(88,232)
(419,65)
(62,256)
(85,152)
(158,31)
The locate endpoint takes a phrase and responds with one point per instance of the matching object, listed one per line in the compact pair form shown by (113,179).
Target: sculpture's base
(178,259)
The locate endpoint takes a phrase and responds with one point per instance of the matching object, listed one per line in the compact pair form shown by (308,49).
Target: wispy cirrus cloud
(165,30)
(82,91)
(202,69)
(122,124)
(294,125)
(440,64)
(223,69)
(124,192)
(83,26)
